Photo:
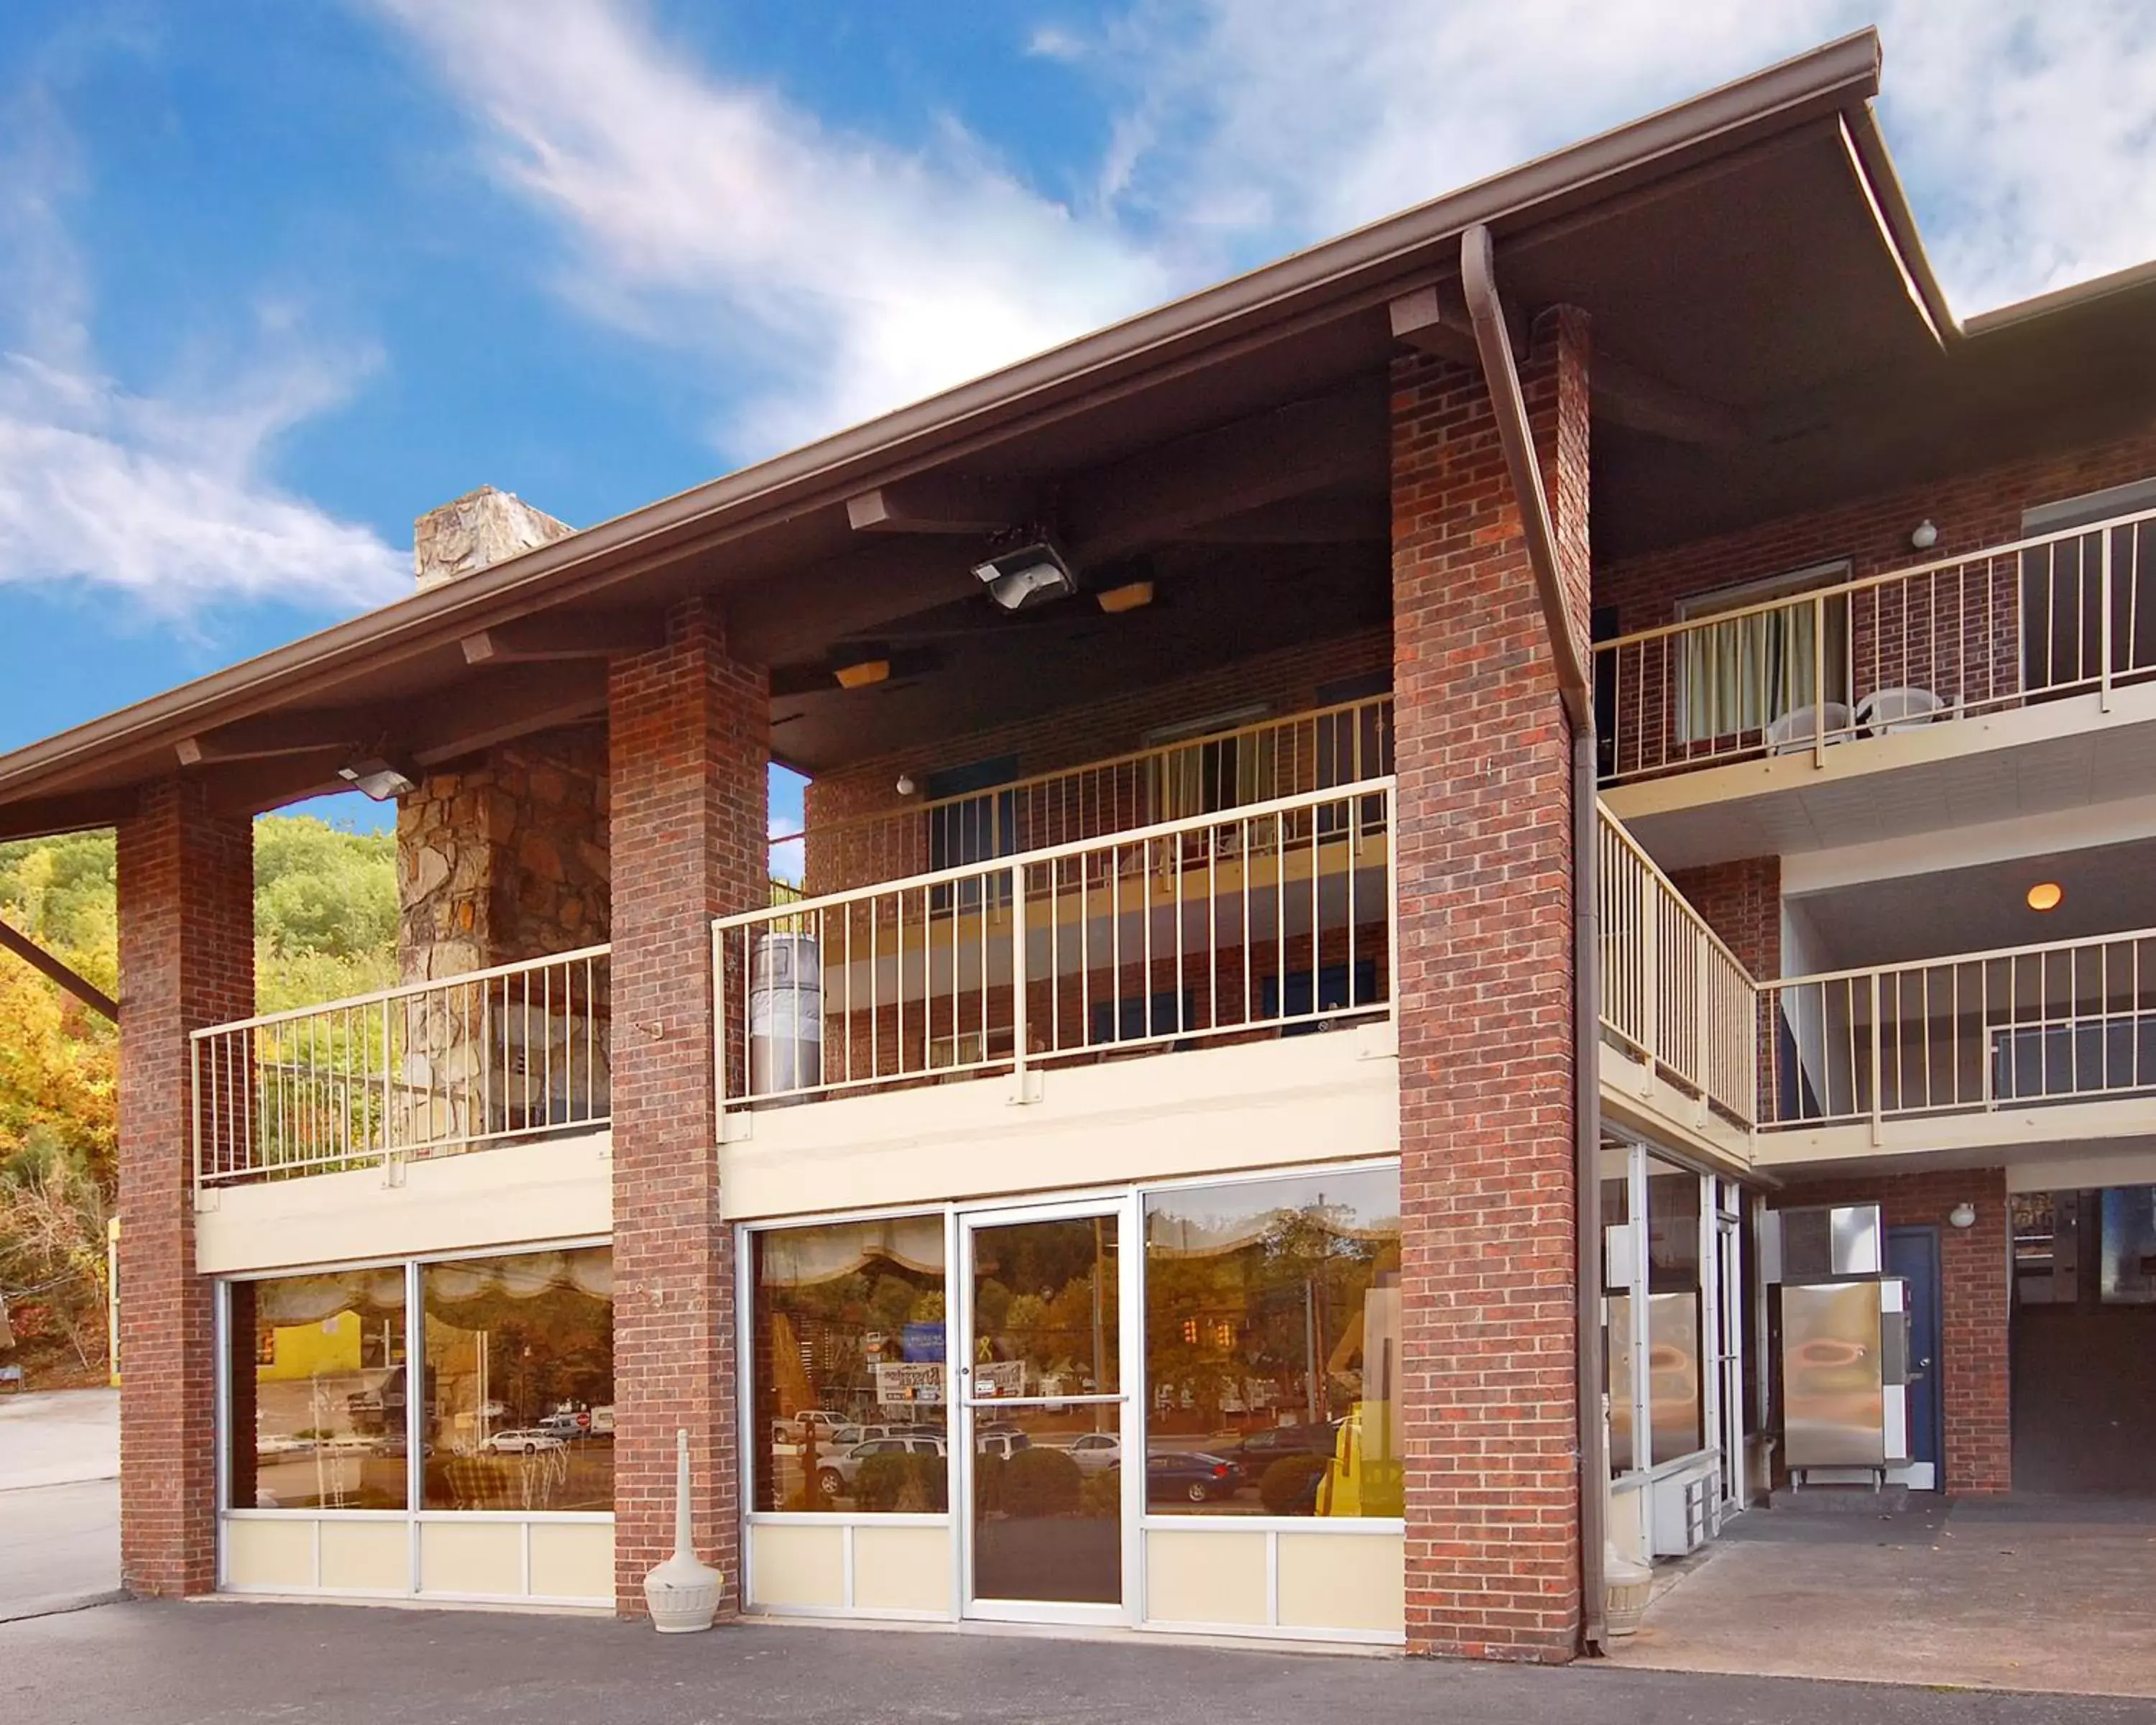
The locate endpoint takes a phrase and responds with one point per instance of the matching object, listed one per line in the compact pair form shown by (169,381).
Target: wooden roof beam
(39,960)
(80,812)
(942,503)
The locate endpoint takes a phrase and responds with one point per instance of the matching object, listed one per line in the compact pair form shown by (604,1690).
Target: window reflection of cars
(1005,1444)
(1194,1475)
(529,1442)
(1259,1449)
(837,1473)
(1096,1451)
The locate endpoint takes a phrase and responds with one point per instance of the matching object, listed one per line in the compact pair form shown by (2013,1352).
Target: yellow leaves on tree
(59,1073)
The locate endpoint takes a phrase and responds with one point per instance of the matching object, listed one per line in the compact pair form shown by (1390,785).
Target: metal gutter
(1884,184)
(1328,281)
(1508,403)
(2137,278)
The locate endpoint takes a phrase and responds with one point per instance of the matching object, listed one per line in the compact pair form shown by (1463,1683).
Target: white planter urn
(683,1593)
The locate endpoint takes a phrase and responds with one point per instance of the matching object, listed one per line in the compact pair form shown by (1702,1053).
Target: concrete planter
(1626,1587)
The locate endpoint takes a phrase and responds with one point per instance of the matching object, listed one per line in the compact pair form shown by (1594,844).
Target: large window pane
(1618,1271)
(847,1371)
(316,1386)
(1675,1404)
(2126,1270)
(518,1405)
(1272,1346)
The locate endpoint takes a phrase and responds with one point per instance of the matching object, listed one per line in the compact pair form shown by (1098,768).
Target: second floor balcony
(2003,630)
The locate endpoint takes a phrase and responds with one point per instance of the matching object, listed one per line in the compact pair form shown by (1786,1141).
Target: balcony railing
(1235,768)
(498,1056)
(2071,1021)
(2061,614)
(1272,919)
(1674,996)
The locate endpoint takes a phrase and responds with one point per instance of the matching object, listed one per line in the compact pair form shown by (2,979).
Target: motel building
(1464,904)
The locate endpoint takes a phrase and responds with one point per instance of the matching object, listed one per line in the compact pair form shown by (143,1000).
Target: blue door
(1913,1255)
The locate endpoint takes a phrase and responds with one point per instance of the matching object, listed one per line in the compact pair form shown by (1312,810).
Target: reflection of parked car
(1260,1450)
(395,1445)
(1005,1444)
(848,1437)
(836,1475)
(1096,1451)
(1194,1475)
(524,1443)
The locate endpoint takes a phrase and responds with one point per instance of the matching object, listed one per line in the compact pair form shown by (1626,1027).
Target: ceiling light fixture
(863,673)
(378,778)
(2045,896)
(1032,575)
(1131,596)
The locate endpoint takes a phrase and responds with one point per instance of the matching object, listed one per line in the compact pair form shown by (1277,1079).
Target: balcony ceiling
(1760,307)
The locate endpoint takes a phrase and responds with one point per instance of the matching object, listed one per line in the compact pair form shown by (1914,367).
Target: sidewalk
(168,1664)
(58,1437)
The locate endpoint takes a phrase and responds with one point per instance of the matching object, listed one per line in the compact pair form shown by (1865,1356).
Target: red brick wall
(1976,1289)
(187,959)
(1490,1422)
(689,732)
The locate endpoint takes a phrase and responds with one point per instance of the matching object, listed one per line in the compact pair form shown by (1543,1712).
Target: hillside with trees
(326,926)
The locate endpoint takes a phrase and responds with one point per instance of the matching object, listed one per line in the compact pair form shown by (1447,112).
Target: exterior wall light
(1131,596)
(1926,536)
(379,780)
(905,784)
(1963,1214)
(1032,575)
(863,673)
(2045,896)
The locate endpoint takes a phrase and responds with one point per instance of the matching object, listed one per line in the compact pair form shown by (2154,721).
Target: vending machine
(1845,1352)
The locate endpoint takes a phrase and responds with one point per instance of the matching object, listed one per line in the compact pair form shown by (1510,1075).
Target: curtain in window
(1741,675)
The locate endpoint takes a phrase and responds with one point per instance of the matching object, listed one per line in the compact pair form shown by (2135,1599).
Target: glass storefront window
(848,1372)
(315,1383)
(518,1412)
(2127,1264)
(1676,1411)
(1272,1328)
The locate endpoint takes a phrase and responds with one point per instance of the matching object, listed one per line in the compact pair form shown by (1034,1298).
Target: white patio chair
(1795,730)
(1886,710)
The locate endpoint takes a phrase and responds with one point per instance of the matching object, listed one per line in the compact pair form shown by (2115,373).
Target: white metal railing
(1232,768)
(1673,996)
(2060,613)
(492,1057)
(1274,918)
(2067,1021)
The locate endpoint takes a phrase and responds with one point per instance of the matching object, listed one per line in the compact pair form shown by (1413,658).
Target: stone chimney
(480,527)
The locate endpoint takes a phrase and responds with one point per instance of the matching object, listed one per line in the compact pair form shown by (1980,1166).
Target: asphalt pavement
(173,1664)
(59,1501)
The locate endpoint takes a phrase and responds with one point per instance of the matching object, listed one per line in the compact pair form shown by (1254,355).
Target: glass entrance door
(1046,1333)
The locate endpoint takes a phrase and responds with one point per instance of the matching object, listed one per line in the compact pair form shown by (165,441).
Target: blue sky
(274,277)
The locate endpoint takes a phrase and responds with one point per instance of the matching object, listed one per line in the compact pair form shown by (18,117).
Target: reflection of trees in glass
(1061,1321)
(1258,1313)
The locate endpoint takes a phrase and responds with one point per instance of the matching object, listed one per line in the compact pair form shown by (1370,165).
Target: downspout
(39,960)
(1493,342)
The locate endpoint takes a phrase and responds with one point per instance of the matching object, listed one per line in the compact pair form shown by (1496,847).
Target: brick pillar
(187,959)
(1485,1011)
(689,733)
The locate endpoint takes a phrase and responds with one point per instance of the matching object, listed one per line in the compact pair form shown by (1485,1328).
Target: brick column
(187,959)
(1485,1012)
(689,747)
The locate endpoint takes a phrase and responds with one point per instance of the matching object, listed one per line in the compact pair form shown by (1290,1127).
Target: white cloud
(161,497)
(842,275)
(824,275)
(2023,128)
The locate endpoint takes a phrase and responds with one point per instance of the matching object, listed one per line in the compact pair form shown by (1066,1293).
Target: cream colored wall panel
(1346,1581)
(902,1570)
(485,1198)
(277,1555)
(367,1557)
(796,1566)
(1205,1577)
(474,1557)
(572,1560)
(1159,1117)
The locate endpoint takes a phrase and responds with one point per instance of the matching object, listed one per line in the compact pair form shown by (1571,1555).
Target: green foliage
(1100,1498)
(1042,1482)
(320,889)
(908,1485)
(1289,1486)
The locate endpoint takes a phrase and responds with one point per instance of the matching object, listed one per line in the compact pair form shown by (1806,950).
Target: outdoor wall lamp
(1032,575)
(378,778)
(1963,1214)
(1926,536)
